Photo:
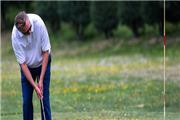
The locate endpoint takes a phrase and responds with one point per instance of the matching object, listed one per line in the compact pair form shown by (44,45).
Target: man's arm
(30,79)
(43,69)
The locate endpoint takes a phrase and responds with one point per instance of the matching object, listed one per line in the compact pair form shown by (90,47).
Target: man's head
(22,23)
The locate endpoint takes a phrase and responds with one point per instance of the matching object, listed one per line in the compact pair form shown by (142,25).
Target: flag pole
(164,94)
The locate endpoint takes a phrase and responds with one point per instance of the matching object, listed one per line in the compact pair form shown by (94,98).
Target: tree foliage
(9,9)
(130,14)
(104,17)
(49,12)
(172,11)
(152,13)
(76,13)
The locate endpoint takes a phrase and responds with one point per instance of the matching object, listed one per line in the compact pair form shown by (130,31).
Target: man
(31,46)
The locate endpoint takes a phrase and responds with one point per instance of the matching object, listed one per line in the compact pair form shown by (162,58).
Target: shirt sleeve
(19,53)
(45,44)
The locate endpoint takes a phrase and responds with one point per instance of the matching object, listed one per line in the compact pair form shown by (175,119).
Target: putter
(41,100)
(42,104)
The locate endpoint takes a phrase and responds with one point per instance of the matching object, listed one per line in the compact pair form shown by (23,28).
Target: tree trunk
(161,29)
(108,34)
(55,25)
(3,17)
(135,30)
(79,32)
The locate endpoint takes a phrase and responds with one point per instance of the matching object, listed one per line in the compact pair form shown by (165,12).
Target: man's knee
(27,102)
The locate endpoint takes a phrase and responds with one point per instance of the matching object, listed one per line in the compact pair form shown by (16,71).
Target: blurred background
(82,20)
(107,59)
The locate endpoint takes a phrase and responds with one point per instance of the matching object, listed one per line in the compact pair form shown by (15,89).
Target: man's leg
(27,92)
(46,100)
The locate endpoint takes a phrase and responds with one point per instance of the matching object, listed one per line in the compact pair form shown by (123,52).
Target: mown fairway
(116,80)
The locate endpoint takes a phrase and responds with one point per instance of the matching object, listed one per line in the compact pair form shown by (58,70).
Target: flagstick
(164,79)
(164,66)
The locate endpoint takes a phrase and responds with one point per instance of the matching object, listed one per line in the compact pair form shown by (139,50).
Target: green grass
(97,80)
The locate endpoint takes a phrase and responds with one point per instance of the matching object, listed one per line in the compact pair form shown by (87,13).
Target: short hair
(20,20)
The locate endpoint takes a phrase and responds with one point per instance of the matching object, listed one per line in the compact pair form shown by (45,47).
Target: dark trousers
(27,92)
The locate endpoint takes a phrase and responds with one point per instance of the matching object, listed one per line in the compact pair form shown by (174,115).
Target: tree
(3,14)
(76,13)
(172,11)
(49,11)
(153,13)
(104,16)
(10,9)
(130,14)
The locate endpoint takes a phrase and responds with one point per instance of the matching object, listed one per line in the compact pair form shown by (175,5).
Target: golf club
(42,104)
(41,100)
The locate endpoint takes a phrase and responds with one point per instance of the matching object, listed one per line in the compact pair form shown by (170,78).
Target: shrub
(172,29)
(90,32)
(123,31)
(67,33)
(149,31)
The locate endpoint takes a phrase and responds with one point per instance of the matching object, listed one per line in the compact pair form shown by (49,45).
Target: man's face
(26,29)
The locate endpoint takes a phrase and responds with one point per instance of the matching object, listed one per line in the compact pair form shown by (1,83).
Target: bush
(67,33)
(123,31)
(149,31)
(90,32)
(172,29)
(64,35)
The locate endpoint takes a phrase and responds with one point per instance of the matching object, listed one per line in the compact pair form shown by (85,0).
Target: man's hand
(38,91)
(30,79)
(45,55)
(40,85)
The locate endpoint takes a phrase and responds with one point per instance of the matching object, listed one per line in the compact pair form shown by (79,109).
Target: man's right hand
(39,92)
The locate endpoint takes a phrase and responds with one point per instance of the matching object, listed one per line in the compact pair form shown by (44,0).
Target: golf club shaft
(42,104)
(43,109)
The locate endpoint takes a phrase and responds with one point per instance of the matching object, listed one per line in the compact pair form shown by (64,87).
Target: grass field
(100,80)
